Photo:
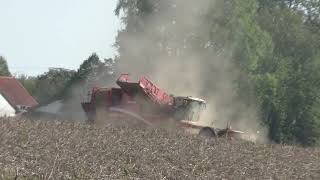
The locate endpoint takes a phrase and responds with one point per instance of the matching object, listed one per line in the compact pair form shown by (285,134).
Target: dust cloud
(175,51)
(80,92)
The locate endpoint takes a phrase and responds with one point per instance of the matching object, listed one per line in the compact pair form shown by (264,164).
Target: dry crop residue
(50,149)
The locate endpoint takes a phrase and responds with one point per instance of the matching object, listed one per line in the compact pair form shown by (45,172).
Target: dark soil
(62,150)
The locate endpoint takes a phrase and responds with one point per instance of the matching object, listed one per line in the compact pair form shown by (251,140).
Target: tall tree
(50,85)
(4,70)
(28,82)
(273,48)
(92,72)
(293,61)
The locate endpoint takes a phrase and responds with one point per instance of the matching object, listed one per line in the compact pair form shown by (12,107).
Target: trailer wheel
(207,132)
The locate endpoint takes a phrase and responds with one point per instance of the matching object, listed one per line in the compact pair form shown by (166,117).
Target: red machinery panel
(146,87)
(156,94)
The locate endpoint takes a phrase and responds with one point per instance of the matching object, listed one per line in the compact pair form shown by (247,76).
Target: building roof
(15,93)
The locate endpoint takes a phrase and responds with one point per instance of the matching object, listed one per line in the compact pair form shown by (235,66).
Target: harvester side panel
(156,94)
(146,88)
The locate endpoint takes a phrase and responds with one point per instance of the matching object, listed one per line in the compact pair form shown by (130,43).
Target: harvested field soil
(62,150)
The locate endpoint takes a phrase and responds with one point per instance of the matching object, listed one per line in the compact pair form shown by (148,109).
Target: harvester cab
(188,108)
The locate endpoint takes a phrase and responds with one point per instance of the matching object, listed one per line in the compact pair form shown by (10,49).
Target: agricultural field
(33,149)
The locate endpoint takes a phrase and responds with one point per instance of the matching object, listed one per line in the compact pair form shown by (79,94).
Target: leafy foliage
(50,85)
(59,83)
(92,72)
(4,70)
(28,82)
(274,48)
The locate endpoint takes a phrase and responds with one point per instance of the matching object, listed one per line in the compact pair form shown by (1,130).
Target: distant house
(14,98)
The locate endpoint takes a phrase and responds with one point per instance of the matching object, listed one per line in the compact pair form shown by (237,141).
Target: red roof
(15,93)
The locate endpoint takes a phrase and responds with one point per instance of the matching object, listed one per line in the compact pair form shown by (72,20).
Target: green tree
(273,45)
(4,70)
(92,72)
(290,106)
(50,85)
(28,82)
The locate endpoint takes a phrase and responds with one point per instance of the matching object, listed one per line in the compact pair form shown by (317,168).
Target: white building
(5,108)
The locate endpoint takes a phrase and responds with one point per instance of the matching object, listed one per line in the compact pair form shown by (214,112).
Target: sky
(38,34)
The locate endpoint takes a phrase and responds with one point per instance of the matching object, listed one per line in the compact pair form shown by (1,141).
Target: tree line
(60,83)
(273,46)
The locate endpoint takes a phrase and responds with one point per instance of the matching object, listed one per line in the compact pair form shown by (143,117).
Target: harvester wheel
(207,132)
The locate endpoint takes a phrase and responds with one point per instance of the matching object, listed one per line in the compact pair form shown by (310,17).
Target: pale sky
(37,34)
